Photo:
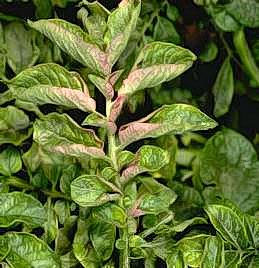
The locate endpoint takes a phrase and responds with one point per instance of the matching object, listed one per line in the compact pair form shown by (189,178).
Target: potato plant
(89,179)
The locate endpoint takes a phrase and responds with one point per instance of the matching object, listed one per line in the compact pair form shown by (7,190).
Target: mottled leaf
(19,207)
(26,250)
(173,119)
(91,190)
(157,63)
(110,213)
(102,235)
(75,42)
(121,23)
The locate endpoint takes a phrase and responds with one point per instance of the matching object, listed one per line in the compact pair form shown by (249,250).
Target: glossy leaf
(90,191)
(102,236)
(13,124)
(157,63)
(59,133)
(72,40)
(26,250)
(173,119)
(10,161)
(19,207)
(121,23)
(230,161)
(223,89)
(229,223)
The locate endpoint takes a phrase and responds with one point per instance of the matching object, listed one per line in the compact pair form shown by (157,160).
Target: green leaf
(91,191)
(157,63)
(230,161)
(21,50)
(209,53)
(169,119)
(125,158)
(43,9)
(148,159)
(19,207)
(229,223)
(103,236)
(192,249)
(252,228)
(67,97)
(223,89)
(165,31)
(13,124)
(247,13)
(172,12)
(110,213)
(72,40)
(226,22)
(59,133)
(26,250)
(121,24)
(213,256)
(10,161)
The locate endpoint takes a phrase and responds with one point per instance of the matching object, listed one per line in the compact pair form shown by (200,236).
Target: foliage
(101,164)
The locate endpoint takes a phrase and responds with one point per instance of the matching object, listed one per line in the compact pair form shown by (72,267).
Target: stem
(20,183)
(246,56)
(113,151)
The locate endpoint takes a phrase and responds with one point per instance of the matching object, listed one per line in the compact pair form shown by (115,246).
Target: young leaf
(223,89)
(72,40)
(26,250)
(91,191)
(148,158)
(157,63)
(229,223)
(95,22)
(235,174)
(103,236)
(121,23)
(252,228)
(19,207)
(173,119)
(59,133)
(13,124)
(10,161)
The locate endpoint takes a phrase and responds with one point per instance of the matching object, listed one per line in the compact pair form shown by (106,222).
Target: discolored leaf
(111,213)
(157,63)
(26,250)
(102,235)
(90,191)
(75,42)
(229,223)
(120,25)
(59,133)
(173,119)
(19,207)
